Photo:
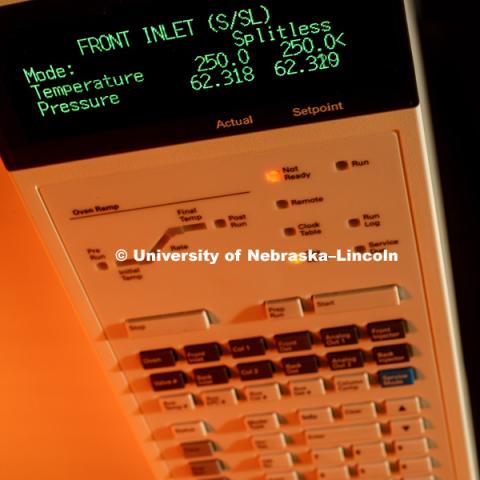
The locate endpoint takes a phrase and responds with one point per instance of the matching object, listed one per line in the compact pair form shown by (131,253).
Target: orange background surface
(59,420)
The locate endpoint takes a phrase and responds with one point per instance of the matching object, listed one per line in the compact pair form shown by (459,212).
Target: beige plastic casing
(52,192)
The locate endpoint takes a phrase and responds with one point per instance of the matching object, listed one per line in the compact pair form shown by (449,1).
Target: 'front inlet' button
(211,376)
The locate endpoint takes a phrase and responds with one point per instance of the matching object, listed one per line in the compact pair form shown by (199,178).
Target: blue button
(396,377)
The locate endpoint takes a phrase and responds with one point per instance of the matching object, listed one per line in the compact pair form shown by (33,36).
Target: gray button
(204,448)
(206,467)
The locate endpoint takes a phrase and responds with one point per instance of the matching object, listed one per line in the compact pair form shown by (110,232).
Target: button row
(284,343)
(271,392)
(336,302)
(374,457)
(309,364)
(264,422)
(314,387)
(199,320)
(284,460)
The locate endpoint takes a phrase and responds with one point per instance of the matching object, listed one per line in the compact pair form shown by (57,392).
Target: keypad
(364,439)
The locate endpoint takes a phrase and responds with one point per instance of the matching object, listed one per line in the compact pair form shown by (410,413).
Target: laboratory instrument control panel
(240,200)
(256,368)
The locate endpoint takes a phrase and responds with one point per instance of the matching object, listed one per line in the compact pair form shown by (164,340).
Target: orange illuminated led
(296,262)
(274,176)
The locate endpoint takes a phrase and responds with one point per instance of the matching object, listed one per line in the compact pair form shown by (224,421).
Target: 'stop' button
(168,324)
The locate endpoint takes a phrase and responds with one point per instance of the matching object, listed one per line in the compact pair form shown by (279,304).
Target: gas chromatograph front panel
(241,200)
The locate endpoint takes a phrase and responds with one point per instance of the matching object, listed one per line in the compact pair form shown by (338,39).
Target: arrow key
(407,427)
(403,406)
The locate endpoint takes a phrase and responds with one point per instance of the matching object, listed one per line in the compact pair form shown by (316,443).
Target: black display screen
(88,78)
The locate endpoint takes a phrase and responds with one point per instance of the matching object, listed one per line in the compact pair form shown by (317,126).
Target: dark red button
(387,330)
(345,360)
(168,381)
(165,357)
(255,370)
(293,342)
(211,376)
(205,352)
(300,365)
(339,336)
(392,354)
(248,347)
